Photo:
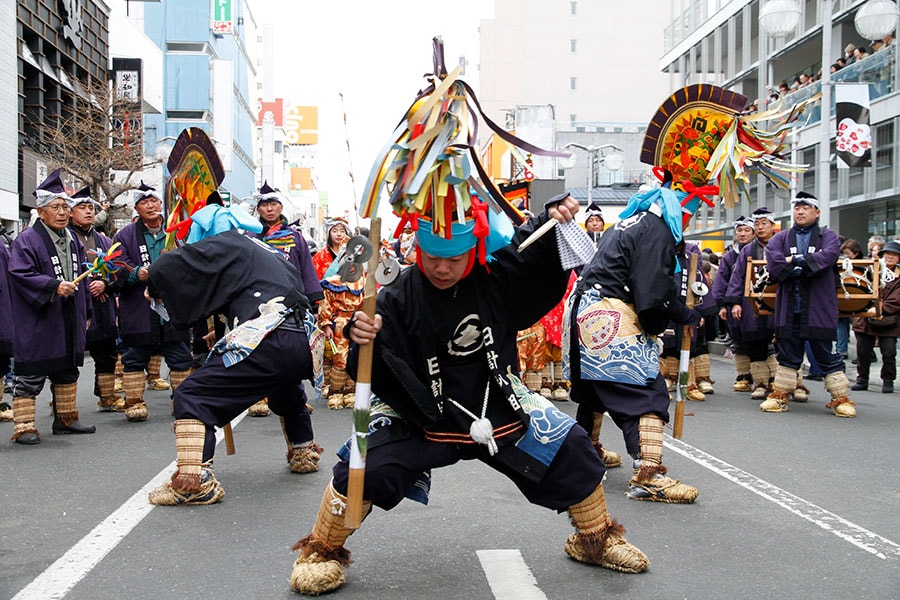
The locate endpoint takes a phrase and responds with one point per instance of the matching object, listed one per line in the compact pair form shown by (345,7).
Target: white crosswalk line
(509,576)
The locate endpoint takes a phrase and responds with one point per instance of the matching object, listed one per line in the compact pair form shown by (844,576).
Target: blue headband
(463,239)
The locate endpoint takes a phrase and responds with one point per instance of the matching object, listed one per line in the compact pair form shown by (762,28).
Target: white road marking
(509,576)
(858,536)
(58,579)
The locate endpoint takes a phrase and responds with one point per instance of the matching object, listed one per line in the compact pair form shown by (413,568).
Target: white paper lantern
(876,19)
(779,18)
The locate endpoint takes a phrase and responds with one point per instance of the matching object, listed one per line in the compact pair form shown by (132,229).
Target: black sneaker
(861,386)
(887,387)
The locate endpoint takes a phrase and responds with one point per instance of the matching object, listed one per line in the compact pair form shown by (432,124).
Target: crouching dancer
(266,354)
(444,361)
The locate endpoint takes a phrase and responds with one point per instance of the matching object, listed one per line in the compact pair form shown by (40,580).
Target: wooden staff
(684,359)
(229,433)
(358,444)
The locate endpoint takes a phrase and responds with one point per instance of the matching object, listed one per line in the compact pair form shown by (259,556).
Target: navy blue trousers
(791,350)
(275,370)
(393,468)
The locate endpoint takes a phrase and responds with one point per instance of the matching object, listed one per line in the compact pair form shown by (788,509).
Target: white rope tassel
(482,431)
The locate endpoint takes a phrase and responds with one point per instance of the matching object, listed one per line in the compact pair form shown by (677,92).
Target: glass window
(573,46)
(573,83)
(883,158)
(573,8)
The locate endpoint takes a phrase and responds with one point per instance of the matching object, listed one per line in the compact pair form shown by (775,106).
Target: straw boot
(65,418)
(177,378)
(610,459)
(154,381)
(336,388)
(193,482)
(671,372)
(759,370)
(119,372)
(837,385)
(320,566)
(304,457)
(600,540)
(24,430)
(260,409)
(349,398)
(650,481)
(546,389)
(6,409)
(135,407)
(801,393)
(560,385)
(744,381)
(784,386)
(702,374)
(109,401)
(532,380)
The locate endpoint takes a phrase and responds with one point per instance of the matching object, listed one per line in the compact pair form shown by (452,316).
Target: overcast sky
(376,54)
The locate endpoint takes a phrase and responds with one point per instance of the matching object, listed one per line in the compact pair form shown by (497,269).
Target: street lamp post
(613,161)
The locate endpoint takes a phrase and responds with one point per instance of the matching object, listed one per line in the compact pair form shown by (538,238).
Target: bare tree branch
(99,132)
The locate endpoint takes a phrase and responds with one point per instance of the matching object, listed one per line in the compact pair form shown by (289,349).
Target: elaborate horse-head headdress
(196,172)
(433,177)
(702,144)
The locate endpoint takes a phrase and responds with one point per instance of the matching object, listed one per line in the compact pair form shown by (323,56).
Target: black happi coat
(227,273)
(635,262)
(434,337)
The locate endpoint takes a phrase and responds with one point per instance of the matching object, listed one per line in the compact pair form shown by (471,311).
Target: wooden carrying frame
(858,290)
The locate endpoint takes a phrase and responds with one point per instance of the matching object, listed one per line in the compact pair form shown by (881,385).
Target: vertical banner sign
(128,123)
(853,141)
(222,21)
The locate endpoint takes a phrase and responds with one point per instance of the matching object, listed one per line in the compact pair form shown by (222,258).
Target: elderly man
(144,332)
(50,314)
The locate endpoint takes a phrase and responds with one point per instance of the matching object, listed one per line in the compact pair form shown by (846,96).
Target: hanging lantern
(876,19)
(779,18)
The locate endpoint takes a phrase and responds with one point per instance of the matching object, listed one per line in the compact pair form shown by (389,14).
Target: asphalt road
(795,505)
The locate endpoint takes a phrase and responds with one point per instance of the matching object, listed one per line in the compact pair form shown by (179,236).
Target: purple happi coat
(817,285)
(720,285)
(139,325)
(49,332)
(752,328)
(6,319)
(103,323)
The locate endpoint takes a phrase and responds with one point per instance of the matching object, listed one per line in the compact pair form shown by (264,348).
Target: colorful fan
(430,166)
(700,134)
(195,172)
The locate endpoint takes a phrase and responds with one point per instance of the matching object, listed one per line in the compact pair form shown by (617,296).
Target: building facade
(209,75)
(584,72)
(56,43)
(721,42)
